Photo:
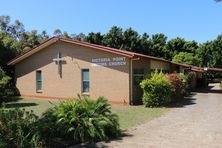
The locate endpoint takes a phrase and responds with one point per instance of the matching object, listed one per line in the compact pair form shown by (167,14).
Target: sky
(199,20)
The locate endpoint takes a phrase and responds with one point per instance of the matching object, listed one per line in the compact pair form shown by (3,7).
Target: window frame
(165,71)
(38,81)
(88,81)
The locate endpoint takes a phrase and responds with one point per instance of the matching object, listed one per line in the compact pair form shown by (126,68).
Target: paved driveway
(196,123)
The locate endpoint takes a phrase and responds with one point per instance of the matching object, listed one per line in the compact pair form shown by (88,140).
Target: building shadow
(18,105)
(14,103)
(102,144)
(183,103)
(189,100)
(8,100)
(209,89)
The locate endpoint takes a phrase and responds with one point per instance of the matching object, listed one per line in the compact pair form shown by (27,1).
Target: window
(165,71)
(85,80)
(38,80)
(138,76)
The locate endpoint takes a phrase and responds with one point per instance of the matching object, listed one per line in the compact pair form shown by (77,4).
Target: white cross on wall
(59,61)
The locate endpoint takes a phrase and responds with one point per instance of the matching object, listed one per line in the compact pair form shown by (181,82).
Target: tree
(15,29)
(4,80)
(186,58)
(158,43)
(114,38)
(66,35)
(191,46)
(57,32)
(210,53)
(130,40)
(94,38)
(145,44)
(4,23)
(14,40)
(204,53)
(216,52)
(29,40)
(176,45)
(44,35)
(7,50)
(79,36)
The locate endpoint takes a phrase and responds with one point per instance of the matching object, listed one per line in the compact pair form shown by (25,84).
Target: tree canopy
(186,58)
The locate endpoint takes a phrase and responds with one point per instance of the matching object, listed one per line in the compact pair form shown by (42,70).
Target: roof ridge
(48,42)
(101,46)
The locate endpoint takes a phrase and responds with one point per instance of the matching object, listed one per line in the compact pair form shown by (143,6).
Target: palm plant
(84,119)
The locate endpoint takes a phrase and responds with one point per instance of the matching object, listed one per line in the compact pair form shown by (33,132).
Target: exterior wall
(197,76)
(159,65)
(174,68)
(112,82)
(142,63)
(194,82)
(148,65)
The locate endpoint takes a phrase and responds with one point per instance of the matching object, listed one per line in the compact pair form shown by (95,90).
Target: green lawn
(37,105)
(129,116)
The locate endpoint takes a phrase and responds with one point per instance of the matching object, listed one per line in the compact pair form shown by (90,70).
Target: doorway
(138,76)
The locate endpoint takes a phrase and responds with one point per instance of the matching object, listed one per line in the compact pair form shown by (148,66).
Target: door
(138,76)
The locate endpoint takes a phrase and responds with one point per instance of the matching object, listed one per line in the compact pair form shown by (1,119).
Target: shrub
(184,79)
(17,129)
(81,120)
(73,121)
(4,82)
(156,90)
(177,86)
(202,82)
(190,77)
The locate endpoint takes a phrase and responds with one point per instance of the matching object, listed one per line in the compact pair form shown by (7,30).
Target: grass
(37,105)
(129,116)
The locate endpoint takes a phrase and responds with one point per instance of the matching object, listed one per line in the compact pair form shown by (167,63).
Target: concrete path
(195,124)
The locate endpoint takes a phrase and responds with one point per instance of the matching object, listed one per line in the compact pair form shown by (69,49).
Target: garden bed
(129,116)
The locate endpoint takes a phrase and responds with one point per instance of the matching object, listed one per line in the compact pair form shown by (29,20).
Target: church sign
(109,62)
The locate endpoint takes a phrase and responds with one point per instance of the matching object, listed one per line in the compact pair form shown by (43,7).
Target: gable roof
(129,54)
(80,43)
(32,51)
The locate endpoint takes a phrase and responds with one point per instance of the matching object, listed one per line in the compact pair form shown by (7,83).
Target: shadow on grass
(102,144)
(13,103)
(7,100)
(18,105)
